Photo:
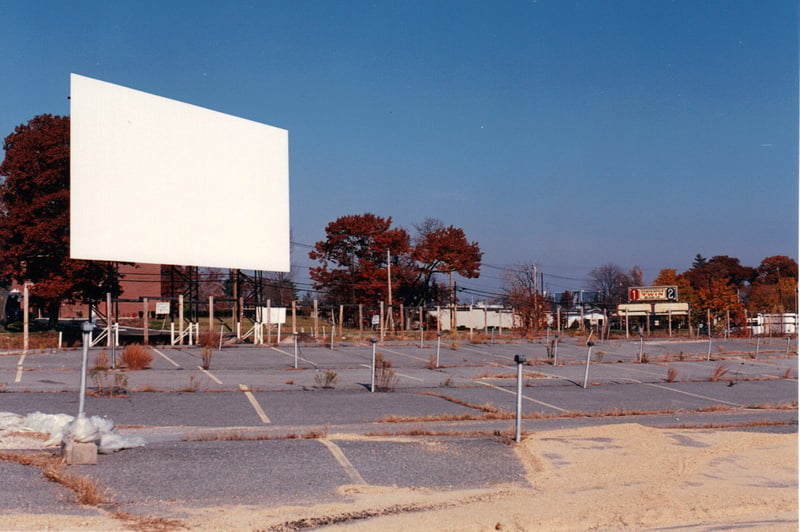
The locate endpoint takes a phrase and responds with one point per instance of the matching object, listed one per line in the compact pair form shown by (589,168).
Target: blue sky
(569,133)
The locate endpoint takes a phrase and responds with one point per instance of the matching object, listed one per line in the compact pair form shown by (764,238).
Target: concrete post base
(79,453)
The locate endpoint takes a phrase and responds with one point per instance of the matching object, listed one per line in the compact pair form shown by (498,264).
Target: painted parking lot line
(399,374)
(209,375)
(404,354)
(352,472)
(409,377)
(690,394)
(257,407)
(165,357)
(548,405)
(18,378)
(291,355)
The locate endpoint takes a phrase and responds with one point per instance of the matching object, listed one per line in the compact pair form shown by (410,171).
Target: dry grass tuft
(385,377)
(148,524)
(720,371)
(208,339)
(326,379)
(136,357)
(101,361)
(672,375)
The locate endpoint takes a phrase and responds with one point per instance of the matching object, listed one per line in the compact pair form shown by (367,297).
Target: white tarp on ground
(51,430)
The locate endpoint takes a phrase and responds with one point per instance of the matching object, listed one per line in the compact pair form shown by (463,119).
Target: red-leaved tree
(34,219)
(353,258)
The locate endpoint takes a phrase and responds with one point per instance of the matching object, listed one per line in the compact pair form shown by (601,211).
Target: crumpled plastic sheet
(62,428)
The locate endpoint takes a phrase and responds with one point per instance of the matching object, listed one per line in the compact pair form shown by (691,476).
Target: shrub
(326,379)
(205,355)
(101,361)
(720,371)
(385,376)
(672,374)
(208,339)
(136,357)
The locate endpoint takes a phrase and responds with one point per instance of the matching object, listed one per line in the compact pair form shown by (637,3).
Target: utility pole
(389,274)
(389,281)
(535,302)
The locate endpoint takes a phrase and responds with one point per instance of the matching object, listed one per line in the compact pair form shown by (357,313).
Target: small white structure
(477,318)
(769,324)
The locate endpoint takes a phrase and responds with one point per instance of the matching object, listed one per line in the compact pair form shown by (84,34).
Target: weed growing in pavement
(136,357)
(313,434)
(720,371)
(672,374)
(385,377)
(205,355)
(193,386)
(447,383)
(104,386)
(208,339)
(326,379)
(54,469)
(645,360)
(101,361)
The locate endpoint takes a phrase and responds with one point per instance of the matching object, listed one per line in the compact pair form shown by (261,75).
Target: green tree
(34,219)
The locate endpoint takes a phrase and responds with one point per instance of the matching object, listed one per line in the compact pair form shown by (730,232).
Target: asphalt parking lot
(255,429)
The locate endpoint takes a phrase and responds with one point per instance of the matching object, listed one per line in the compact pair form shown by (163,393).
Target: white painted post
(295,349)
(421,329)
(180,319)
(25,320)
(555,352)
(269,321)
(519,359)
(372,378)
(86,330)
(109,320)
(588,357)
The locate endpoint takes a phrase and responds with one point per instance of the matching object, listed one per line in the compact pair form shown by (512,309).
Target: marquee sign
(653,293)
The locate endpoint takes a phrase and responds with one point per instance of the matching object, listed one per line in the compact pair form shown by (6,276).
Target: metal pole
(438,344)
(372,377)
(86,329)
(758,341)
(588,356)
(421,330)
(641,344)
(555,351)
(295,350)
(519,359)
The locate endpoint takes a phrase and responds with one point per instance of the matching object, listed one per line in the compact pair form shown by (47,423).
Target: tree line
(363,258)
